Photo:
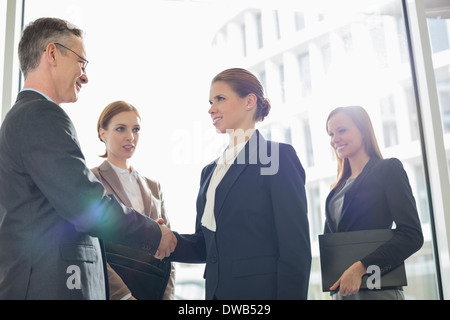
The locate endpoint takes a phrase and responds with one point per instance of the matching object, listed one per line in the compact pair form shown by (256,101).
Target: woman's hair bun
(263,109)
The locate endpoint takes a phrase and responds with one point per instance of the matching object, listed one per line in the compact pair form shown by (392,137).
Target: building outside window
(363,63)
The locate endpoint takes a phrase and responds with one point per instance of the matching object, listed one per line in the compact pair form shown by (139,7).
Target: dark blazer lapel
(236,169)
(201,201)
(328,219)
(109,175)
(353,191)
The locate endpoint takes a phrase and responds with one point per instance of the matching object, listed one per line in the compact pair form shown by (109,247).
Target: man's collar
(43,94)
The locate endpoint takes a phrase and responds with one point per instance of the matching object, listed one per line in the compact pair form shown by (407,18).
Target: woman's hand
(350,281)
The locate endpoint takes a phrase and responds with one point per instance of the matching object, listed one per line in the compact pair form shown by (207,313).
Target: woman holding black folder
(370,193)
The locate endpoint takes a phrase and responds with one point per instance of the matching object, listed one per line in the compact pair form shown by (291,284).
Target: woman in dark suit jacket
(370,193)
(252,227)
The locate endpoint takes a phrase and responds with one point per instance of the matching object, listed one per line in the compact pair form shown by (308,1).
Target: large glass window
(358,57)
(438,21)
(161,55)
(9,32)
(2,44)
(439,31)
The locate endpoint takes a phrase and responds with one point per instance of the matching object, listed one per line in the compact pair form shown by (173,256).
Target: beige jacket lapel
(114,185)
(151,204)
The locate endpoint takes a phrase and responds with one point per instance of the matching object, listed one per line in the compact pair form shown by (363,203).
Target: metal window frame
(11,77)
(432,137)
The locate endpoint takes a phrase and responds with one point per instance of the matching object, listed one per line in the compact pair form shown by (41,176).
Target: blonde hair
(362,121)
(109,112)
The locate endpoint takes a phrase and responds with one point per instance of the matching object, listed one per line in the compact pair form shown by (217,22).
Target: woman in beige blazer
(118,127)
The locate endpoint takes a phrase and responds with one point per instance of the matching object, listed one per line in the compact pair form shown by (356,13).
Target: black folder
(338,251)
(144,275)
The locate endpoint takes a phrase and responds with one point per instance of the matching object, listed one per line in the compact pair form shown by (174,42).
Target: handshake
(168,241)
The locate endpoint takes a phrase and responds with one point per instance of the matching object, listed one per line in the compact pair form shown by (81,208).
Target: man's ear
(50,53)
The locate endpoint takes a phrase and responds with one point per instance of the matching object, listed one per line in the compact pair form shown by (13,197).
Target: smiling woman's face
(345,136)
(121,137)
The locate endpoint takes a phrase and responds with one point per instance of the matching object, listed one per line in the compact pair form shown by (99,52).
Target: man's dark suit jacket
(261,247)
(380,196)
(52,208)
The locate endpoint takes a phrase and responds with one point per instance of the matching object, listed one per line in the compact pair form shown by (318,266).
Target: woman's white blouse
(223,164)
(130,184)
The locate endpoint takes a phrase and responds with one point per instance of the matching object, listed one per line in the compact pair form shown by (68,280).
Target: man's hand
(168,241)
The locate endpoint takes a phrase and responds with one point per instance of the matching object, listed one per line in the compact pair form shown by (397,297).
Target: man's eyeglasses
(85,62)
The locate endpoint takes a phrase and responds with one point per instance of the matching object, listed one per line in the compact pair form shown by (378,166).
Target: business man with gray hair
(52,208)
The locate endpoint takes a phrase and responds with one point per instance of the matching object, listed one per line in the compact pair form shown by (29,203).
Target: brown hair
(361,119)
(109,112)
(243,82)
(38,34)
